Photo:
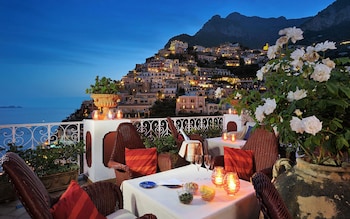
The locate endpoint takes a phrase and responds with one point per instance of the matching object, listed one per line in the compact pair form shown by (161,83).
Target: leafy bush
(51,159)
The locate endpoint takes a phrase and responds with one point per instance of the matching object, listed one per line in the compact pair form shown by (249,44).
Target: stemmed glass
(198,160)
(207,161)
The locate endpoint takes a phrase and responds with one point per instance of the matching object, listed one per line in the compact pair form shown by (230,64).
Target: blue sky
(51,50)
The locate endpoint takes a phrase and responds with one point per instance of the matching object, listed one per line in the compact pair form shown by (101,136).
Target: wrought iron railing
(32,135)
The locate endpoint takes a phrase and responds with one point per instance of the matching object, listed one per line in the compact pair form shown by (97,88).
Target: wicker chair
(179,139)
(271,203)
(265,146)
(126,137)
(106,196)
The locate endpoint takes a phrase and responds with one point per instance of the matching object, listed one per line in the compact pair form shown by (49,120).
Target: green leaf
(345,90)
(332,88)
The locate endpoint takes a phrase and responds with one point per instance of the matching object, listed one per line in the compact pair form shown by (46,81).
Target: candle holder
(231,183)
(218,175)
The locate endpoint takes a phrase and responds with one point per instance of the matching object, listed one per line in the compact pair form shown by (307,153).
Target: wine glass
(198,160)
(207,161)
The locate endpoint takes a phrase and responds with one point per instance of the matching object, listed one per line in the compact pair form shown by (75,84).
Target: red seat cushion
(240,161)
(75,203)
(141,161)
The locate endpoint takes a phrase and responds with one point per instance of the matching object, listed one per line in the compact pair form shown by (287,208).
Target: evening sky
(51,51)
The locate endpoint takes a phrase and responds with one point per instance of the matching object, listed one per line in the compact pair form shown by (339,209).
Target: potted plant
(210,132)
(167,151)
(104,93)
(56,164)
(306,100)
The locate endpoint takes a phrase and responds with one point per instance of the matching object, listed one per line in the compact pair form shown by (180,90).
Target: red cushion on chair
(240,161)
(75,203)
(141,161)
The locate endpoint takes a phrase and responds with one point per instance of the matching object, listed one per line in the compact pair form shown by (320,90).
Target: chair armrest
(106,196)
(118,166)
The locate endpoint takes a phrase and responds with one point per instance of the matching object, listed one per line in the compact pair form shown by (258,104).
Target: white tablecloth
(164,202)
(216,145)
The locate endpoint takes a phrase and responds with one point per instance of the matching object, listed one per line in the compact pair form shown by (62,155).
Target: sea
(39,114)
(25,115)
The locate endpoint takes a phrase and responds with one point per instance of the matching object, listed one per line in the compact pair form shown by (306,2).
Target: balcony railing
(32,135)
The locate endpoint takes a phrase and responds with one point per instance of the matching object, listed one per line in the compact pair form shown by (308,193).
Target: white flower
(321,73)
(296,125)
(297,54)
(311,55)
(297,64)
(298,112)
(271,52)
(281,41)
(325,46)
(312,125)
(259,113)
(328,62)
(297,95)
(269,106)
(292,33)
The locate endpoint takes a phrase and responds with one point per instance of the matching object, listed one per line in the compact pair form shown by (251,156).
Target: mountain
(332,23)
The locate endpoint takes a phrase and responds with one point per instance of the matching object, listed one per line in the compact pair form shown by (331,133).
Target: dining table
(216,145)
(159,199)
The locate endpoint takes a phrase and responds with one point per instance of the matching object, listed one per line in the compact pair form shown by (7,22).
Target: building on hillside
(140,103)
(208,58)
(178,47)
(215,108)
(190,104)
(212,71)
(199,48)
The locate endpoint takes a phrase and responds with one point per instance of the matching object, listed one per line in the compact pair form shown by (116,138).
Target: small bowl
(185,196)
(191,187)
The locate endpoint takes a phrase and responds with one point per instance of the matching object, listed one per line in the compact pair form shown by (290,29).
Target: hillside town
(196,78)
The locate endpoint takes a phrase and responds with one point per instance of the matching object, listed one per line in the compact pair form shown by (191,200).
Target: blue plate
(147,184)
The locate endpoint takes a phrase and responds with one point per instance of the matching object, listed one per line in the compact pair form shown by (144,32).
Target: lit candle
(219,179)
(233,137)
(95,114)
(224,135)
(119,114)
(229,111)
(234,111)
(232,186)
(110,114)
